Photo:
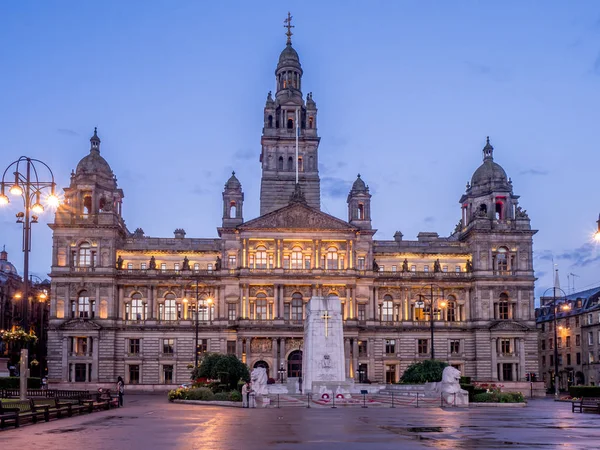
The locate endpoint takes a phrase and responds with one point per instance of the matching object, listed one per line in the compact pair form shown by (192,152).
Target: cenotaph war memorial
(323,363)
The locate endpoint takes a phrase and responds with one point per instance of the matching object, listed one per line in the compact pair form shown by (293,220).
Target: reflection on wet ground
(150,422)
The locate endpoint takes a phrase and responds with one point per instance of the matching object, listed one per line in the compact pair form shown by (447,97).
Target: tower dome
(94,163)
(233,182)
(489,171)
(289,58)
(359,185)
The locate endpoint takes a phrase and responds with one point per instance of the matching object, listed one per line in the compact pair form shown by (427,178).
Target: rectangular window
(361,263)
(457,269)
(231,314)
(543,360)
(362,311)
(163,266)
(568,342)
(599,337)
(590,338)
(576,321)
(286,262)
(559,342)
(129,266)
(590,319)
(271,261)
(394,268)
(543,344)
(168,374)
(578,358)
(390,373)
(342,267)
(413,268)
(209,267)
(591,358)
(543,327)
(444,268)
(307,262)
(80,372)
(231,347)
(382,268)
(202,346)
(455,347)
(362,349)
(560,360)
(577,340)
(422,346)
(286,311)
(196,267)
(231,262)
(568,323)
(143,266)
(168,346)
(568,359)
(134,346)
(551,360)
(425,268)
(176,267)
(507,371)
(505,346)
(550,344)
(390,346)
(134,374)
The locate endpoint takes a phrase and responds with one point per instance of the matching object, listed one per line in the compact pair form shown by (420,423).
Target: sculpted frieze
(261,345)
(268,290)
(297,216)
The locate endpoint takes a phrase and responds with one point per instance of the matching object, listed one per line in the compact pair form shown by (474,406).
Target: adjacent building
(577,338)
(124,303)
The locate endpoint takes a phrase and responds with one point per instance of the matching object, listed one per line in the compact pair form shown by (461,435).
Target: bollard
(333,402)
(277,400)
(364,401)
(393,399)
(417,399)
(308,400)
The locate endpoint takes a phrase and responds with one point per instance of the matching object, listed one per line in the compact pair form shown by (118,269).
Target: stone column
(374,299)
(95,358)
(514,371)
(68,307)
(275,364)
(151,302)
(238,348)
(244,253)
(494,353)
(354,357)
(276,312)
(347,355)
(247,295)
(65,359)
(282,352)
(318,254)
(120,312)
(521,359)
(241,312)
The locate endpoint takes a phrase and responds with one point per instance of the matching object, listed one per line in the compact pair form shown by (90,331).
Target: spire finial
(233,172)
(358,176)
(95,131)
(289,26)
(488,150)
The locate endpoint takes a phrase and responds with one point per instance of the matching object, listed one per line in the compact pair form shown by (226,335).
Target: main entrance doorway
(294,369)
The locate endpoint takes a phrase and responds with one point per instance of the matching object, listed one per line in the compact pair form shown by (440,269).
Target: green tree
(423,372)
(226,368)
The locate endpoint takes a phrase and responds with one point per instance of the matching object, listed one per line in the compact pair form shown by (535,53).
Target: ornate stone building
(128,304)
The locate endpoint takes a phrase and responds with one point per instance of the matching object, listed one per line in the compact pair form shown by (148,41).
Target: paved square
(150,422)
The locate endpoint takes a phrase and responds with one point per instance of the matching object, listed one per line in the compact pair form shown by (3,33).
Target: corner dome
(489,171)
(94,163)
(233,182)
(359,185)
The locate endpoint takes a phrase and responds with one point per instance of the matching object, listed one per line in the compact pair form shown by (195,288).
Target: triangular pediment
(298,216)
(80,324)
(508,325)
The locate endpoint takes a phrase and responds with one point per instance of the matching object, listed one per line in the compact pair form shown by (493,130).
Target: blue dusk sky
(406,91)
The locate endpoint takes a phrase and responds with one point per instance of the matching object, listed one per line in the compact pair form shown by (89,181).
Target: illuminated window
(261,307)
(332,258)
(297,258)
(297,304)
(85,255)
(260,259)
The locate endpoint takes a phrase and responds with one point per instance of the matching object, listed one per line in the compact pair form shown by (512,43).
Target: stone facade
(577,338)
(128,304)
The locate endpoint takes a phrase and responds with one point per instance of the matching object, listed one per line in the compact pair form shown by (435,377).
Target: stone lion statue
(450,389)
(259,378)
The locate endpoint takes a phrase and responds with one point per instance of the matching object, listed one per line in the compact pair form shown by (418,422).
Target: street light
(29,187)
(564,307)
(442,304)
(281,373)
(360,372)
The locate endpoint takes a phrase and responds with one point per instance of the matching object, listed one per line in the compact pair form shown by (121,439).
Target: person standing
(246,395)
(120,390)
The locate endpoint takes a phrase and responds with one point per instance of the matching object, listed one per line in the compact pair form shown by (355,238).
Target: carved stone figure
(119,262)
(218,263)
(259,379)
(450,389)
(405,265)
(469,266)
(186,263)
(152,263)
(375,266)
(436,266)
(458,226)
(521,213)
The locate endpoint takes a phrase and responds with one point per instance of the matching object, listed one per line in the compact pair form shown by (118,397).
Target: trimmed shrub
(584,391)
(222,396)
(499,397)
(199,394)
(423,372)
(176,394)
(14,383)
(235,396)
(226,368)
(472,390)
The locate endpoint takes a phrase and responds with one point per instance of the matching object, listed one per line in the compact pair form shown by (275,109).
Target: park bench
(7,413)
(28,409)
(58,408)
(592,403)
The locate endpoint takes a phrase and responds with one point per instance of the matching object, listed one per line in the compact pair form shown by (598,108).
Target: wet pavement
(151,422)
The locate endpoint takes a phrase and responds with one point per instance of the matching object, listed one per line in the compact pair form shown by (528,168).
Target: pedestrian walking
(120,390)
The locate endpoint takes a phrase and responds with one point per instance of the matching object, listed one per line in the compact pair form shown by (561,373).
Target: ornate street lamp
(442,304)
(565,307)
(28,184)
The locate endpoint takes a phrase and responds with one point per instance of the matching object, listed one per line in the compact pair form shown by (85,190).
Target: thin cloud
(429,219)
(478,68)
(335,187)
(244,154)
(67,132)
(533,172)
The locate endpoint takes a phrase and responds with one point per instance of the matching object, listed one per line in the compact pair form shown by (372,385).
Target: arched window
(361,211)
(311,165)
(311,121)
(332,258)
(87,205)
(503,309)
(499,211)
(483,209)
(203,310)
(295,364)
(290,124)
(261,306)
(170,308)
(261,257)
(232,210)
(502,259)
(297,304)
(451,309)
(300,165)
(280,163)
(270,121)
(83,305)
(296,258)
(85,255)
(137,307)
(290,163)
(387,309)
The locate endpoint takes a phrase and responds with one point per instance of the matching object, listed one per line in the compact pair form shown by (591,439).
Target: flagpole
(297,132)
